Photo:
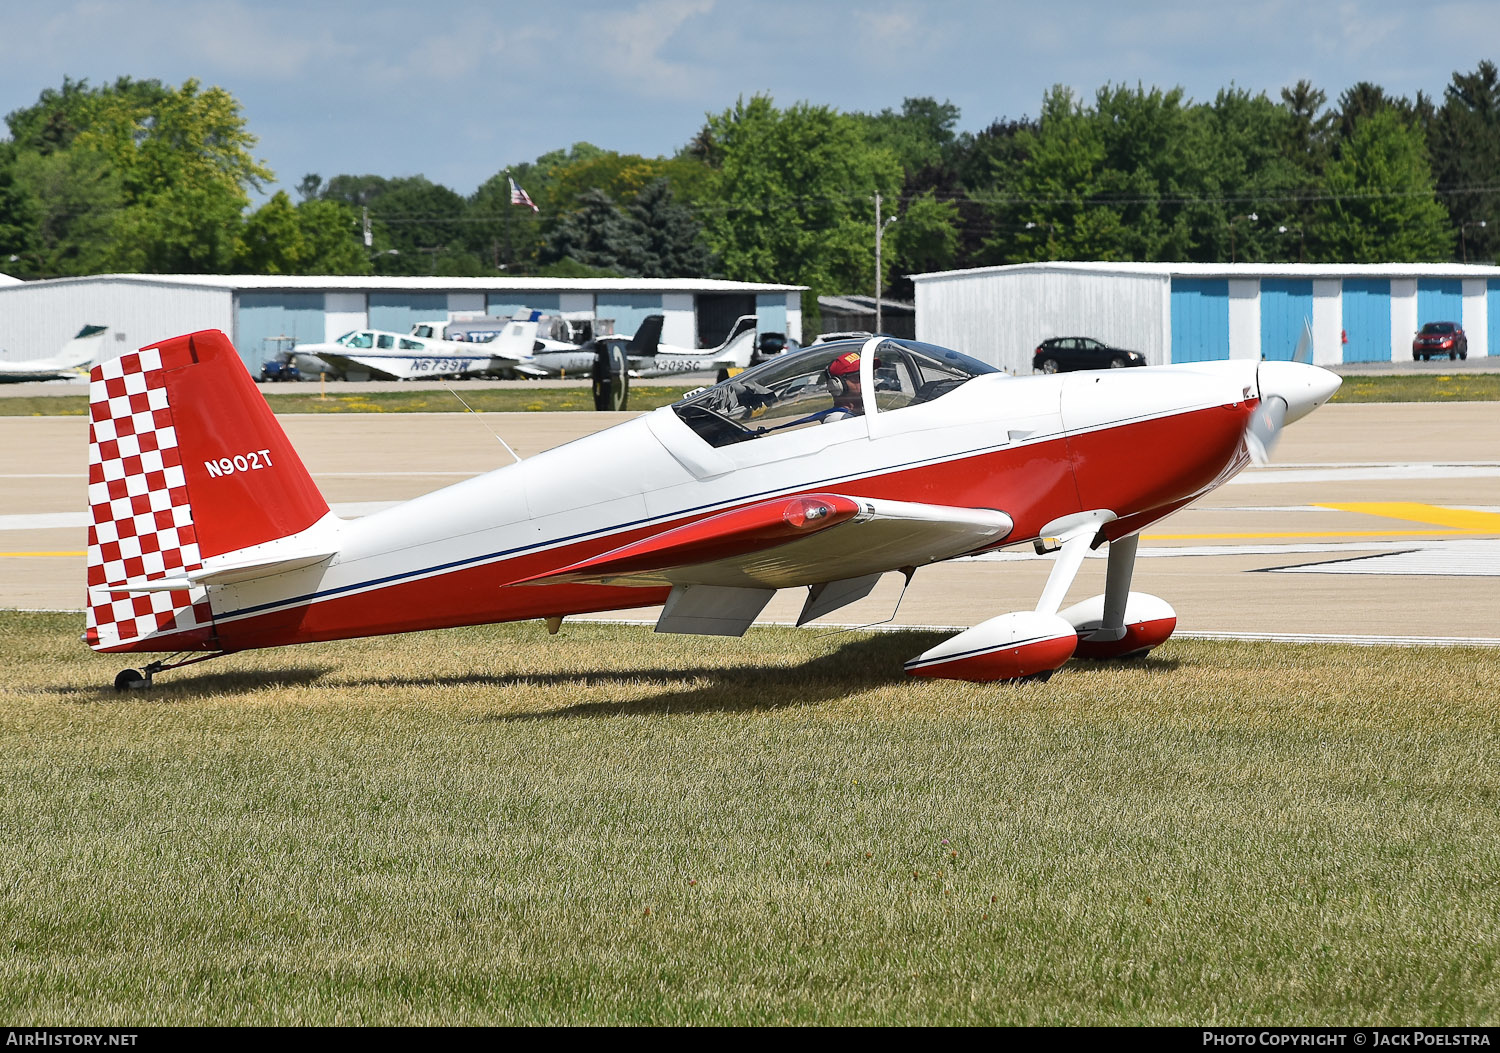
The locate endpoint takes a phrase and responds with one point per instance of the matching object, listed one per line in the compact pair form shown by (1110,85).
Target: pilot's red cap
(844,364)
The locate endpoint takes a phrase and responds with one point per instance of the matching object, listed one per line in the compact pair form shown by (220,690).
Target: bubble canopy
(820,384)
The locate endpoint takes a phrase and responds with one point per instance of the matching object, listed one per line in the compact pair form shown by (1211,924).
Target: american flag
(520,197)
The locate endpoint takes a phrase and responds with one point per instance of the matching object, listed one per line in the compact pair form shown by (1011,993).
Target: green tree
(315,237)
(592,234)
(271,240)
(925,238)
(63,207)
(332,239)
(670,239)
(793,196)
(418,226)
(1244,203)
(1465,143)
(184,164)
(920,137)
(1053,207)
(1381,206)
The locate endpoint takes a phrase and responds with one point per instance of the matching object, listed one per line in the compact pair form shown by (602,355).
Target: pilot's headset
(838,372)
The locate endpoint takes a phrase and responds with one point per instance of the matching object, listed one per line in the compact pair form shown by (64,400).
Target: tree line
(139,176)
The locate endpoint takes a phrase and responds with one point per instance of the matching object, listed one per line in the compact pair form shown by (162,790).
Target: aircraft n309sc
(822,469)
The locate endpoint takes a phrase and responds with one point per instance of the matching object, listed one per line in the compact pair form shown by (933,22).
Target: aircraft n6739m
(821,469)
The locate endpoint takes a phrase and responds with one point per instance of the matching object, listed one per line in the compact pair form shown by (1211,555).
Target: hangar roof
(1231,270)
(404,283)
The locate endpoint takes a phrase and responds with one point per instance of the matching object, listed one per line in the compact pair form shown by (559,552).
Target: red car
(1440,338)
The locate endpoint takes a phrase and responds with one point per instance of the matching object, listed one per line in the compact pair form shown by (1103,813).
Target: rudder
(186,462)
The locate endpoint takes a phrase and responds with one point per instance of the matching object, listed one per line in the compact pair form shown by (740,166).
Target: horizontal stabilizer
(791,541)
(307,549)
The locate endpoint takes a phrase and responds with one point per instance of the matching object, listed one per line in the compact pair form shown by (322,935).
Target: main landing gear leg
(140,679)
(1075,546)
(1117,588)
(1120,623)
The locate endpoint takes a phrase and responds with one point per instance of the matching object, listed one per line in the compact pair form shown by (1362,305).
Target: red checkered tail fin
(192,484)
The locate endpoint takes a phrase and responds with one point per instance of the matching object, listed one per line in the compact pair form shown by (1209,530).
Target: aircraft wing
(19,372)
(808,539)
(347,364)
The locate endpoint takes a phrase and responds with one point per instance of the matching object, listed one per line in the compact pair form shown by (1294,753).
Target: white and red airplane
(822,469)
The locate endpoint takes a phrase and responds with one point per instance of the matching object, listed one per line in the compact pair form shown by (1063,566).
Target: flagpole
(508,204)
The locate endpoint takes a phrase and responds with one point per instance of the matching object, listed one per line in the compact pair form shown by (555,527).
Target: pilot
(841,380)
(843,384)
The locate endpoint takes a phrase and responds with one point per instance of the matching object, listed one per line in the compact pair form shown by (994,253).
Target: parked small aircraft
(71,363)
(823,468)
(403,356)
(644,355)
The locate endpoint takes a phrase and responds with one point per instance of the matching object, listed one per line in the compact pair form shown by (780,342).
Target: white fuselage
(1018,445)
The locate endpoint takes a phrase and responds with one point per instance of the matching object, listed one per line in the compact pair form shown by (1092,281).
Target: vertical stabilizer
(647,337)
(186,462)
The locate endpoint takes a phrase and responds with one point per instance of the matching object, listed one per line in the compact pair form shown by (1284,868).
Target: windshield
(1438,327)
(823,384)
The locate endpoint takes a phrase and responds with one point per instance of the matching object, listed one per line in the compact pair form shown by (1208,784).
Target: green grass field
(1468,387)
(1461,387)
(609,826)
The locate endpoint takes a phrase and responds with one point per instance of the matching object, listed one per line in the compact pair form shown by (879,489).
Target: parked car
(280,369)
(1061,354)
(1440,338)
(773,344)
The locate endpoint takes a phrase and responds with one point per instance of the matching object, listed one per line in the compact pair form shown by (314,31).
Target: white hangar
(1185,312)
(262,313)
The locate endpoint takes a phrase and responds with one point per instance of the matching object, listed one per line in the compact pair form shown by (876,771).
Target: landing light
(804,513)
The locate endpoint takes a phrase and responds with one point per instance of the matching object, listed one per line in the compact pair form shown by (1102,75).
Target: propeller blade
(1265,428)
(1304,345)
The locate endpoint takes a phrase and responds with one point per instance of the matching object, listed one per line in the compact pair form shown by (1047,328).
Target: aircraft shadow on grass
(858,665)
(226,682)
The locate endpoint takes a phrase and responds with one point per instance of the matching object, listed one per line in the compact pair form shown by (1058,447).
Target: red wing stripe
(763,525)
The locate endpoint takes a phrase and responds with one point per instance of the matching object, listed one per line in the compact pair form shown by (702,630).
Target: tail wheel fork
(140,679)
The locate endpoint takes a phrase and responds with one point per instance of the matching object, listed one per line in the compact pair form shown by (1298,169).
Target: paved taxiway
(1375,521)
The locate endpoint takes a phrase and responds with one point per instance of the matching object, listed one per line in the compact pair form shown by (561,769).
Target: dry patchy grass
(493,826)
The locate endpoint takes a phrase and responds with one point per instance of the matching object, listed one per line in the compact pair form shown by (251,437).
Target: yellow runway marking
(38,555)
(1445,521)
(1310,533)
(1457,518)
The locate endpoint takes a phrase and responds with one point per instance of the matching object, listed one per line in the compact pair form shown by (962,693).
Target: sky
(456,90)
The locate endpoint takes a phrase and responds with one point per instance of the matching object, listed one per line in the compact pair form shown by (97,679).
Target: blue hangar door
(398,312)
(265,323)
(1492,299)
(1367,319)
(1440,300)
(1286,305)
(1200,319)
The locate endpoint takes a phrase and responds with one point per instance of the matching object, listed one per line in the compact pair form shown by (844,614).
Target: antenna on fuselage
(486,423)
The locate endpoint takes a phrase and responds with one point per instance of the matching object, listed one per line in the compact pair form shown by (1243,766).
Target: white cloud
(629,51)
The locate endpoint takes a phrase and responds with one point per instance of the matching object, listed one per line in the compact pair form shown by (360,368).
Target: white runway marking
(1344,473)
(1458,558)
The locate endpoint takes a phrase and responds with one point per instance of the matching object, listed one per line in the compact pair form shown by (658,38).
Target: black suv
(1063,353)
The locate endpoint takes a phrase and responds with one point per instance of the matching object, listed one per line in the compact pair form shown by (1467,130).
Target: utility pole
(879,282)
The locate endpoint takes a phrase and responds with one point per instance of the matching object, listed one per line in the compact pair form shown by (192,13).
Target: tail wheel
(611,378)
